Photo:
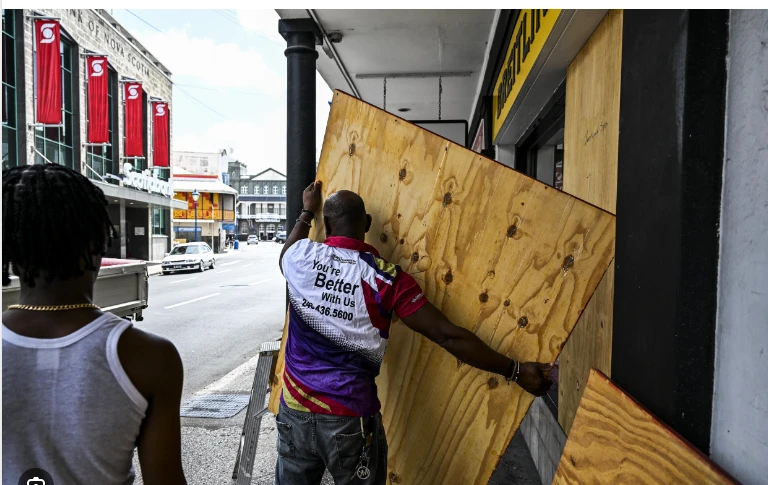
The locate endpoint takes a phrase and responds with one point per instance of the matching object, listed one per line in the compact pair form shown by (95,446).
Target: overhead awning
(211,186)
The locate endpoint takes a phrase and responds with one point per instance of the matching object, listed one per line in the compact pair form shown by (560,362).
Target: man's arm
(311,197)
(154,367)
(467,347)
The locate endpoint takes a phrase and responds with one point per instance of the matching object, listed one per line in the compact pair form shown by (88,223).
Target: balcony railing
(205,214)
(264,217)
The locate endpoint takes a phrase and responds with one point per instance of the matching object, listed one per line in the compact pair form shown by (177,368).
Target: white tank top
(69,407)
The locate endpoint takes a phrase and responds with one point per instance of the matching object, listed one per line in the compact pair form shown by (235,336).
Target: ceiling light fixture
(403,110)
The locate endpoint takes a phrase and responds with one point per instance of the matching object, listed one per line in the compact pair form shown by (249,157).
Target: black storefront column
(301,35)
(673,82)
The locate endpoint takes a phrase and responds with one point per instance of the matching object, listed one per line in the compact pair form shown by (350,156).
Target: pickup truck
(122,288)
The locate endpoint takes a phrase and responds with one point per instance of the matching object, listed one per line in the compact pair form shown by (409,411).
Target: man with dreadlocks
(81,388)
(343,295)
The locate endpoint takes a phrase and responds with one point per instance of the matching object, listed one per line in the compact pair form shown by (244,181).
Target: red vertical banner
(48,66)
(160,129)
(98,99)
(134,122)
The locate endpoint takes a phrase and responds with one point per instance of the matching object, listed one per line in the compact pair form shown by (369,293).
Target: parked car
(280,238)
(195,256)
(253,240)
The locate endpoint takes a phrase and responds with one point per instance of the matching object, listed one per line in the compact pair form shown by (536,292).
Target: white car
(253,240)
(195,256)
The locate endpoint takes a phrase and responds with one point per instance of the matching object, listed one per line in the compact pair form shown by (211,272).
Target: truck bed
(121,288)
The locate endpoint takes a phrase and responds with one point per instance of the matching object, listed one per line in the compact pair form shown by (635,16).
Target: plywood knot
(493,383)
(415,257)
(384,238)
(403,173)
(394,477)
(523,322)
(507,302)
(351,149)
(447,199)
(491,273)
(568,263)
(511,230)
(483,297)
(448,277)
(402,241)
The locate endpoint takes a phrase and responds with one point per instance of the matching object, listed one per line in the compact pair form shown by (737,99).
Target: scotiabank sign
(145,181)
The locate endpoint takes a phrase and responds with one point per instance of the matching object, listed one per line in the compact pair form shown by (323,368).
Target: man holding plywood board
(499,254)
(342,299)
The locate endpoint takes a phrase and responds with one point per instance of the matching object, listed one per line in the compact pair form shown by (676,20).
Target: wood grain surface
(501,254)
(616,440)
(590,169)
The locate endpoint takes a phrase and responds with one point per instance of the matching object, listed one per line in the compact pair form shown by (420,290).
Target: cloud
(262,22)
(213,63)
(260,144)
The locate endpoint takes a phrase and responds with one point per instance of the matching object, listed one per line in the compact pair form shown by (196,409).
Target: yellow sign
(531,32)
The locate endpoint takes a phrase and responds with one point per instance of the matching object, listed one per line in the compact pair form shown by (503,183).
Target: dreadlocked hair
(54,220)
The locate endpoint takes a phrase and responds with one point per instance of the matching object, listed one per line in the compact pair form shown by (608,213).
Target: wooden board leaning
(501,254)
(616,440)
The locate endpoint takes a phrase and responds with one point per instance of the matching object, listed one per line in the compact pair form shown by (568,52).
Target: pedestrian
(82,388)
(342,298)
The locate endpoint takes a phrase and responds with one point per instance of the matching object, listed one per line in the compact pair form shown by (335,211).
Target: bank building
(79,90)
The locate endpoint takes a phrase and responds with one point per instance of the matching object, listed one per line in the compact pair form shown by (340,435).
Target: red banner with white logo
(134,122)
(48,60)
(160,128)
(98,99)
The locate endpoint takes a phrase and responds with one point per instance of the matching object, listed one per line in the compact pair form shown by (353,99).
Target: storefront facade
(211,217)
(627,110)
(139,195)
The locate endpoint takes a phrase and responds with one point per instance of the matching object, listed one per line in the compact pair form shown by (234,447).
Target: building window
(159,226)
(10,152)
(256,189)
(266,189)
(56,144)
(99,158)
(244,189)
(271,208)
(274,189)
(270,230)
(283,189)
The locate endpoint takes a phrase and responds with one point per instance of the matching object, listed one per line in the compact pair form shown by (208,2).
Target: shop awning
(211,186)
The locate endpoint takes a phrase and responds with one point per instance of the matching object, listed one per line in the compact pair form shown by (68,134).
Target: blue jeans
(308,443)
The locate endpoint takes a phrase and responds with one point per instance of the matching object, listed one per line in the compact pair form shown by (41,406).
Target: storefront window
(99,158)
(56,144)
(159,226)
(10,153)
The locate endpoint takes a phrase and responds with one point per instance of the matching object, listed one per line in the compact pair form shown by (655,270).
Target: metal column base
(249,440)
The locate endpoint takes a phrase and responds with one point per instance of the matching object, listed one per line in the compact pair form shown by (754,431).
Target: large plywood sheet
(501,254)
(616,440)
(589,172)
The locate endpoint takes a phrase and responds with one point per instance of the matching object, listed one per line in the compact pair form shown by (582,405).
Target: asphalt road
(218,319)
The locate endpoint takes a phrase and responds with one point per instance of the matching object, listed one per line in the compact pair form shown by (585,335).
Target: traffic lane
(217,334)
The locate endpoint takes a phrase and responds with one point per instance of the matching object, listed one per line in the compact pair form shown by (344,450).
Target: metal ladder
(249,440)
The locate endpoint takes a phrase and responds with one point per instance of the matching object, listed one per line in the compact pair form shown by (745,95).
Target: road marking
(185,279)
(231,262)
(225,383)
(257,282)
(192,301)
(224,271)
(249,264)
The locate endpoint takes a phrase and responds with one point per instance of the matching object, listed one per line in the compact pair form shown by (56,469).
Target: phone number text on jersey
(328,312)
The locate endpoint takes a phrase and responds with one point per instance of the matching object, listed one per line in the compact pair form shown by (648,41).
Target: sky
(229,75)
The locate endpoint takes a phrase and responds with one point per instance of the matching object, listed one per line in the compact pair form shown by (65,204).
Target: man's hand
(311,197)
(534,378)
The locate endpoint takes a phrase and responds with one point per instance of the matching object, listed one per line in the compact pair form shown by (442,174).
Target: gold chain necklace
(52,308)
